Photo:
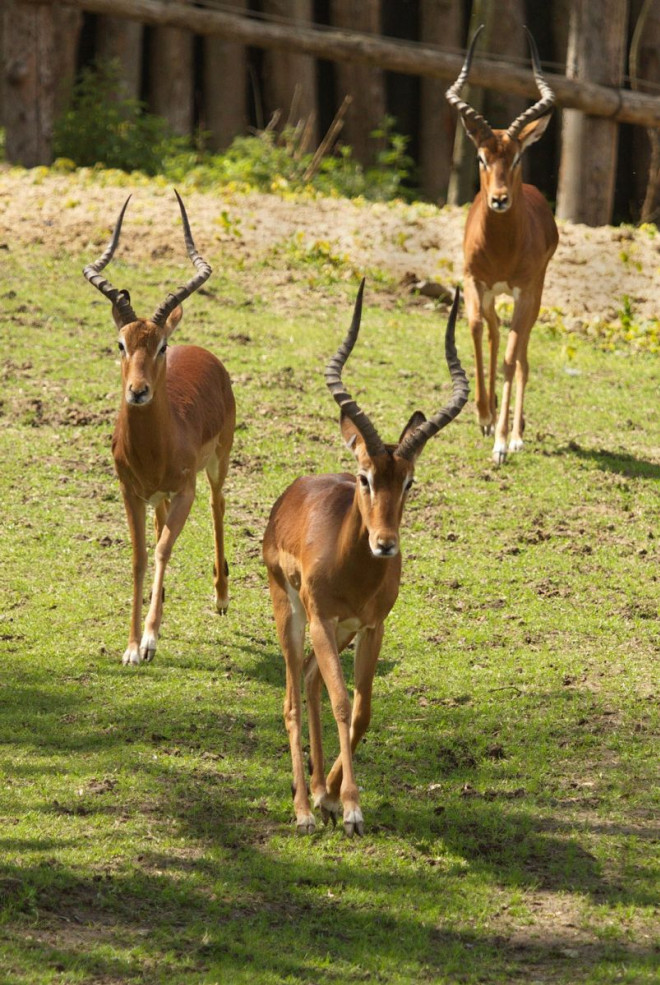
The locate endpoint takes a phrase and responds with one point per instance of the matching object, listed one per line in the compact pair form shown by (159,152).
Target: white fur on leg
(131,655)
(305,824)
(353,822)
(499,452)
(148,646)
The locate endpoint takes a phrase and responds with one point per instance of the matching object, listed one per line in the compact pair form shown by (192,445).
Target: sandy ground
(587,279)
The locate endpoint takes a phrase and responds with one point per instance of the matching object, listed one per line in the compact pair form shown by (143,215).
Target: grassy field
(510,773)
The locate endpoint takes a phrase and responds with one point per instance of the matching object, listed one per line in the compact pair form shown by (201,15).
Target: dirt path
(591,273)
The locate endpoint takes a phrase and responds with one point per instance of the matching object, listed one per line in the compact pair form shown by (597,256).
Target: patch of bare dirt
(587,279)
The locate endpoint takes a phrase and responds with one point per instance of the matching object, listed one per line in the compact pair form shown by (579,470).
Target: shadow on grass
(618,462)
(230,905)
(248,917)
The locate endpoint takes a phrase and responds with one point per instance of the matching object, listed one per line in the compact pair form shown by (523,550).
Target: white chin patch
(139,401)
(379,552)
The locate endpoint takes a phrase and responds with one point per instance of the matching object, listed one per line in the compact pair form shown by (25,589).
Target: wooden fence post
(441,23)
(587,173)
(29,82)
(118,39)
(364,83)
(171,77)
(224,99)
(462,177)
(290,78)
(644,73)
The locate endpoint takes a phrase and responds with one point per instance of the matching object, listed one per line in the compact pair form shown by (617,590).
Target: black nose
(139,394)
(500,201)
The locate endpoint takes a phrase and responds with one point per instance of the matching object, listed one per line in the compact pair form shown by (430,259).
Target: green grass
(510,773)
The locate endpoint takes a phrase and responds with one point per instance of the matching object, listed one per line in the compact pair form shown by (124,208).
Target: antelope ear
(533,131)
(414,422)
(472,130)
(120,319)
(350,434)
(173,320)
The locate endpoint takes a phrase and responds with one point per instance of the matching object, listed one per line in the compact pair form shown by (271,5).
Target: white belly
(351,625)
(500,287)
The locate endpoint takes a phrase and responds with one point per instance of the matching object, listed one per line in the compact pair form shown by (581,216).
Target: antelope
(510,236)
(176,418)
(331,550)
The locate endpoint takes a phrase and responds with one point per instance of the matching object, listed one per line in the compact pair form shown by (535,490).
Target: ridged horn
(334,383)
(469,113)
(120,299)
(547,100)
(411,445)
(203,273)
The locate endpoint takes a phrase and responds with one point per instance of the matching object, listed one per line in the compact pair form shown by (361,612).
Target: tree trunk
(118,39)
(365,84)
(290,78)
(587,172)
(29,80)
(441,23)
(224,100)
(171,77)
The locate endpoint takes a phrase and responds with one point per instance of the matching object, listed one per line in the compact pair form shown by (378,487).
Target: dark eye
(364,481)
(121,347)
(482,161)
(163,349)
(409,484)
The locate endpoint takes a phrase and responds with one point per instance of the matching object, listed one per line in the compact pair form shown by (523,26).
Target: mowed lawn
(510,775)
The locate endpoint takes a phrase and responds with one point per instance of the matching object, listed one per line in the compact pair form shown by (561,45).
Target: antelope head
(386,471)
(143,342)
(500,151)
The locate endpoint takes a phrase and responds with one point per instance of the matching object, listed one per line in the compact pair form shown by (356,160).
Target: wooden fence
(214,64)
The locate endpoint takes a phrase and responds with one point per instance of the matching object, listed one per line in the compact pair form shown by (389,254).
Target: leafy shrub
(271,161)
(101,127)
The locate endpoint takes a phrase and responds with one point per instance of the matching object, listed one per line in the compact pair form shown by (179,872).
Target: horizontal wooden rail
(622,105)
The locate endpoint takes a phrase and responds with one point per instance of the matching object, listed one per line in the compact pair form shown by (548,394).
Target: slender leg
(494,344)
(522,374)
(160,517)
(328,803)
(313,688)
(367,649)
(136,517)
(217,472)
(515,362)
(502,427)
(290,621)
(472,299)
(174,523)
(322,633)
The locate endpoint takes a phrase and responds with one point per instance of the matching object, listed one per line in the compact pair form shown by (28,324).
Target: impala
(176,417)
(331,550)
(510,235)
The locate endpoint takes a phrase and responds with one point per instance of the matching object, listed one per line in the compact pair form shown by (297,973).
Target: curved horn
(120,299)
(334,383)
(468,113)
(411,446)
(547,100)
(203,273)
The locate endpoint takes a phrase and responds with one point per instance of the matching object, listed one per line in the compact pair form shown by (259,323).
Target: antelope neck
(144,434)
